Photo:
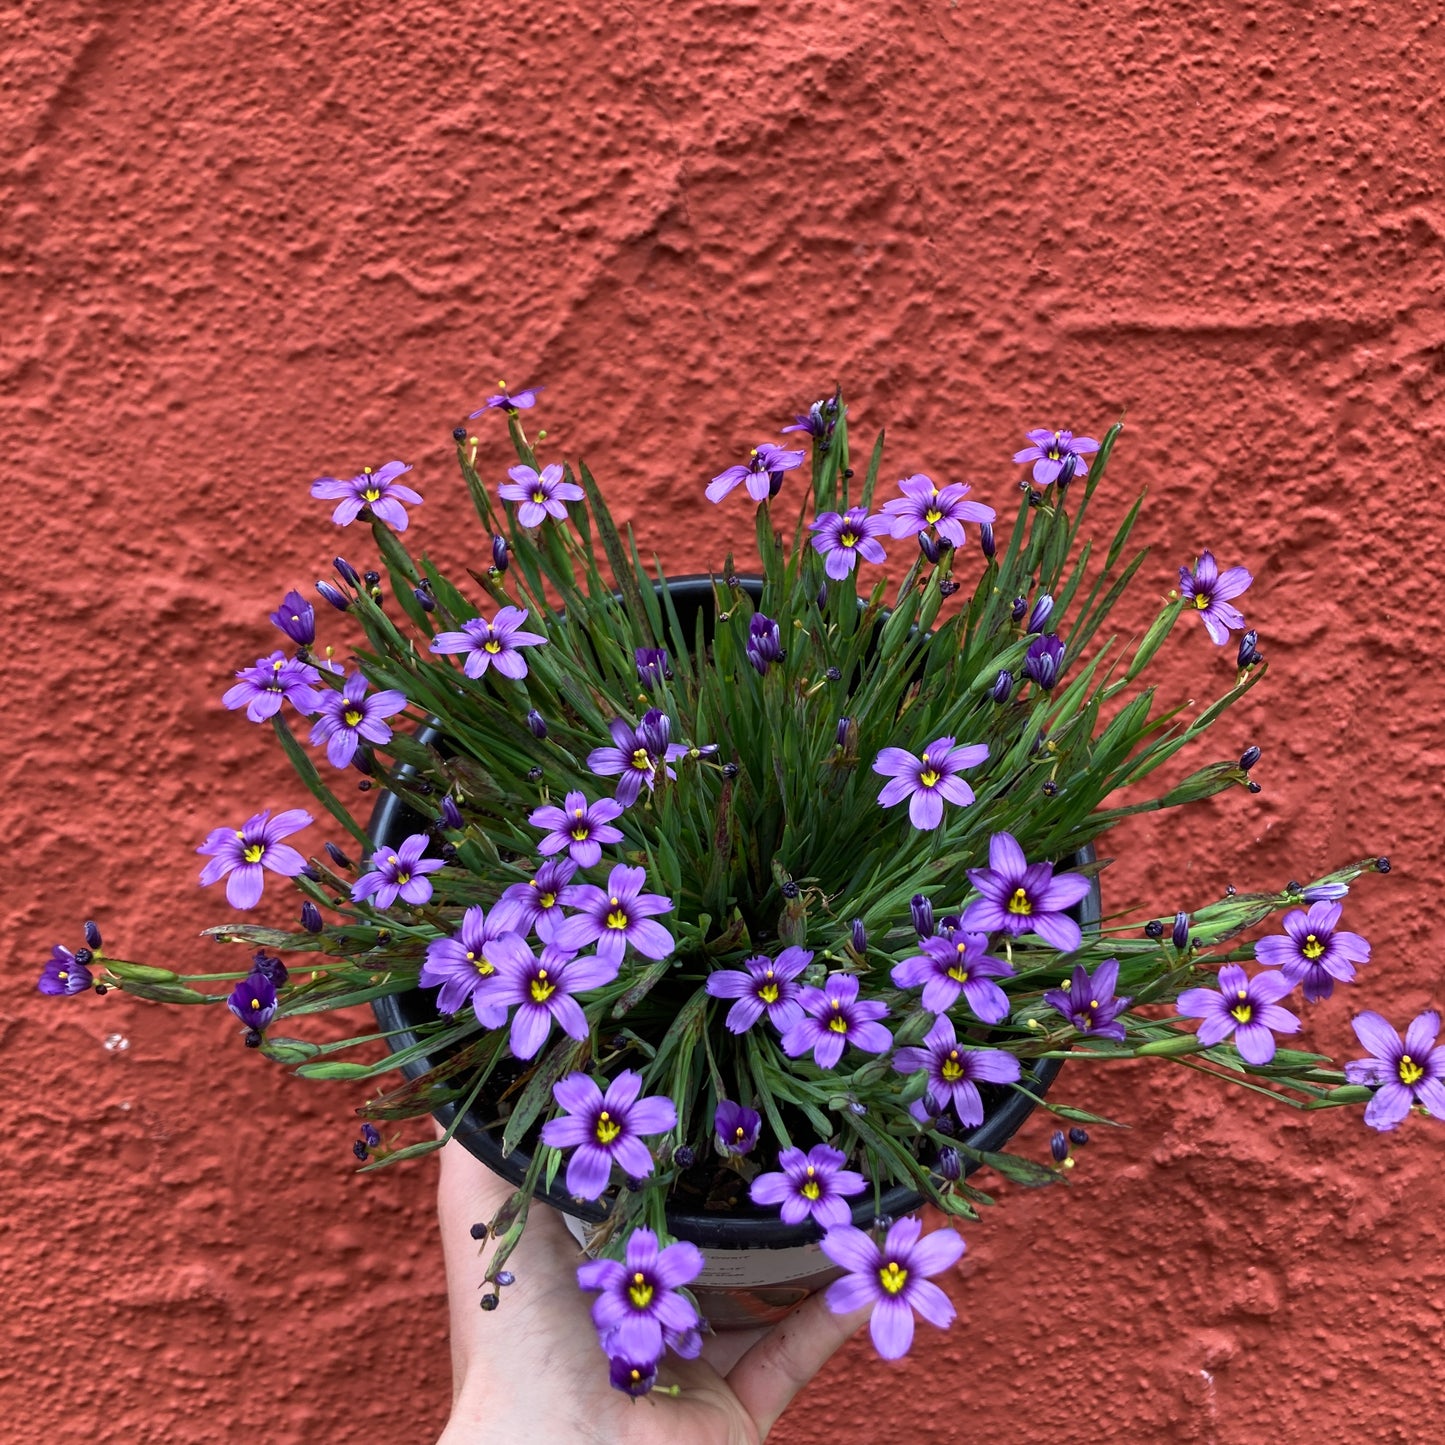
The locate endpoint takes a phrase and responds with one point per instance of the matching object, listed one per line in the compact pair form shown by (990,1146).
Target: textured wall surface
(243,243)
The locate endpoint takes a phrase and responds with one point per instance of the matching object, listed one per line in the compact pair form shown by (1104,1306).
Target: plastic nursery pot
(757,1267)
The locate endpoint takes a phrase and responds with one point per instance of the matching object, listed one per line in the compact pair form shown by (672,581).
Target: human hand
(532,1370)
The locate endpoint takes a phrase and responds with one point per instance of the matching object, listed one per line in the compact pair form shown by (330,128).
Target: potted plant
(751,912)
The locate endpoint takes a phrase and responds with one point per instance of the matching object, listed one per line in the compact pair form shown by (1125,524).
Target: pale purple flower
(605,1129)
(491,644)
(638,1310)
(1049,451)
(253,1000)
(957,964)
(763,473)
(508,401)
(541,494)
(63,975)
(616,916)
(762,985)
(1089,1004)
(398,872)
(262,689)
(296,617)
(350,715)
(1404,1071)
(1044,661)
(1209,590)
(842,538)
(635,756)
(579,826)
(954,1073)
(542,990)
(813,1185)
(239,855)
(834,1018)
(927,780)
(894,1279)
(1023,897)
(537,903)
(461,964)
(1313,952)
(736,1127)
(924,505)
(377,489)
(1246,1007)
(652,665)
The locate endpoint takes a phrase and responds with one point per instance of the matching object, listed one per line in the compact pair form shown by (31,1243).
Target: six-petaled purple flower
(616,916)
(377,489)
(349,716)
(253,1000)
(460,965)
(1044,661)
(1023,897)
(834,1017)
(579,826)
(927,780)
(893,1278)
(924,505)
(957,964)
(239,855)
(762,985)
(398,873)
(841,538)
(1089,1003)
(1403,1071)
(503,400)
(1246,1007)
(62,975)
(763,473)
(812,1185)
(541,494)
(635,757)
(1051,449)
(491,644)
(542,990)
(262,689)
(1314,951)
(954,1073)
(537,903)
(605,1129)
(1208,591)
(736,1127)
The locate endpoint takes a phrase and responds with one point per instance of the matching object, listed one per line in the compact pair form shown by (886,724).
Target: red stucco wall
(248,243)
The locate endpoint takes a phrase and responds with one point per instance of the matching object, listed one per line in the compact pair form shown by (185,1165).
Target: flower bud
(790,890)
(1067,466)
(270,968)
(489,1302)
(338,857)
(346,571)
(1050,787)
(1180,937)
(501,557)
(359,1148)
(505,1277)
(254,1038)
(729,771)
(846,735)
(822,598)
(459,433)
(333,594)
(1042,608)
(1382,865)
(922,912)
(1325,892)
(947,587)
(950,1166)
(1249,757)
(361,761)
(1059,1146)
(684,1157)
(373,581)
(1249,654)
(928,547)
(859,937)
(1154,929)
(311,917)
(84,957)
(1078,1137)
(536,724)
(534,775)
(1255,787)
(834,674)
(479,1231)
(986,540)
(1003,686)
(944,1125)
(1021,605)
(370,1135)
(92,934)
(425,600)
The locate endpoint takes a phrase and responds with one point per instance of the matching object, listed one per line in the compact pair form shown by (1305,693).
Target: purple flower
(63,975)
(461,964)
(954,1072)
(652,665)
(1248,1008)
(505,401)
(350,715)
(812,1184)
(762,985)
(580,827)
(632,1377)
(736,1127)
(537,903)
(893,1279)
(1090,1004)
(542,989)
(923,505)
(763,473)
(1312,953)
(926,781)
(491,644)
(1044,661)
(835,1018)
(615,916)
(541,494)
(605,1129)
(253,1000)
(1405,1072)
(819,421)
(1023,897)
(1049,451)
(398,872)
(634,754)
(638,1310)
(378,490)
(954,965)
(262,688)
(1210,590)
(239,854)
(843,538)
(764,646)
(296,617)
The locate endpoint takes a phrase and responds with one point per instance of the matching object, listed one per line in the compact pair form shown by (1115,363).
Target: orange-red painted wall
(248,243)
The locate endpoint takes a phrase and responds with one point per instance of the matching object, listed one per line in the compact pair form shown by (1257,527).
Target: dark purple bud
(311,917)
(684,1157)
(92,934)
(922,911)
(272,968)
(489,1302)
(536,724)
(632,1377)
(1040,613)
(986,541)
(944,1125)
(1248,651)
(1044,661)
(1036,499)
(775,482)
(1067,467)
(734,582)
(1050,787)
(370,1135)
(1154,929)
(361,761)
(947,587)
(846,734)
(253,1000)
(534,775)
(834,674)
(505,1277)
(334,595)
(338,857)
(478,1231)
(296,618)
(1003,686)
(359,1148)
(101,989)
(790,890)
(1255,787)
(501,556)
(459,433)
(1078,1137)
(634,1185)
(859,938)
(1059,1146)
(84,957)
(822,598)
(254,1038)
(928,547)
(1293,886)
(1230,890)
(451,815)
(847,474)
(312,873)
(1021,605)
(1249,757)
(1180,937)
(346,571)
(425,600)
(652,666)
(655,732)
(950,1166)
(448,852)
(1382,865)
(729,771)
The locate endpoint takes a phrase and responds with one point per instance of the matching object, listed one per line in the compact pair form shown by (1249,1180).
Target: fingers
(788,1356)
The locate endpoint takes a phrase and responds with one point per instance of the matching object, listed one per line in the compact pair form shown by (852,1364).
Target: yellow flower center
(892,1277)
(928,778)
(838,1023)
(640,1291)
(351,717)
(1410,1071)
(768,993)
(371,494)
(616,918)
(812,1190)
(539,496)
(932,515)
(848,539)
(581,832)
(1242,1012)
(403,877)
(281,661)
(483,967)
(542,990)
(1020,904)
(951,1069)
(1312,948)
(255,1003)
(607,1128)
(252,852)
(492,645)
(546,900)
(1201,600)
(641,761)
